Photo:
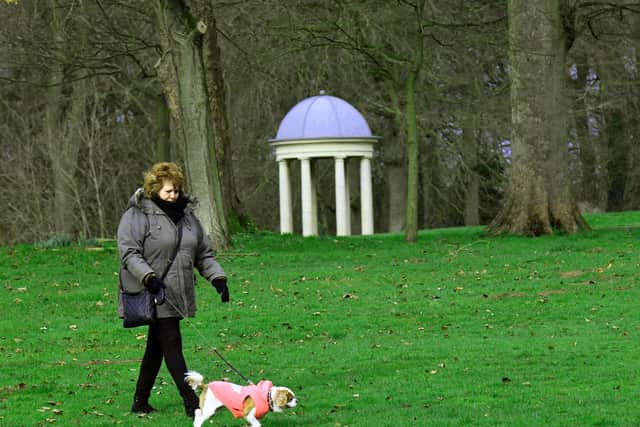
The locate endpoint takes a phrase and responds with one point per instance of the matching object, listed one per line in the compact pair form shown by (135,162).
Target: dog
(250,402)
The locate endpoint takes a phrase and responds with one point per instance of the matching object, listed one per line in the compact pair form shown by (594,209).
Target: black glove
(154,285)
(220,283)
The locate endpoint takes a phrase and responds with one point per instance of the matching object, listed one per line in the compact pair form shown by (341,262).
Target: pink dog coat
(233,396)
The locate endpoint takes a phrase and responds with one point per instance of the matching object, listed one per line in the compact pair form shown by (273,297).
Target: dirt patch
(552,292)
(506,295)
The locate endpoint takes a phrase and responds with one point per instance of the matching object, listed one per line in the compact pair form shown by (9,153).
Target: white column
(347,195)
(286,214)
(314,199)
(307,197)
(366,196)
(341,198)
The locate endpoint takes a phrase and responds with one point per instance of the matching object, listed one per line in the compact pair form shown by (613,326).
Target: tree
(214,73)
(398,64)
(62,144)
(539,196)
(183,73)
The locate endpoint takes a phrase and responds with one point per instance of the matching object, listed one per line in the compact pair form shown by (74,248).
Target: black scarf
(175,210)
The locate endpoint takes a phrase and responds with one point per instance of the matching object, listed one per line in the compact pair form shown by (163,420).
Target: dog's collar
(269,400)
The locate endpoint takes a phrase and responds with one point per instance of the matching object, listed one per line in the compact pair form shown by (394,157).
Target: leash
(215,350)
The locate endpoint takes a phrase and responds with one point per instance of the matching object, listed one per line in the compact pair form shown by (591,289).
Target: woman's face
(168,192)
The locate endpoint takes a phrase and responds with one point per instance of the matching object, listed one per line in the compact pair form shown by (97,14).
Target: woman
(147,237)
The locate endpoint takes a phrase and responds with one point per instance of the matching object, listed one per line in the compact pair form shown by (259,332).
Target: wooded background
(517,114)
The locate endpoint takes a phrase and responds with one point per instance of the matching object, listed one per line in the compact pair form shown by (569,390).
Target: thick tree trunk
(632,54)
(539,196)
(217,102)
(162,130)
(181,70)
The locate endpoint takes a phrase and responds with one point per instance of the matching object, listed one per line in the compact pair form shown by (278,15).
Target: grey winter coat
(146,240)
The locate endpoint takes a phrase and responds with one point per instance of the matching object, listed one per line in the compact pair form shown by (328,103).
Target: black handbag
(140,307)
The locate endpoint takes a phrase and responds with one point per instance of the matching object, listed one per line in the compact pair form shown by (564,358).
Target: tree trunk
(162,130)
(181,70)
(62,147)
(395,164)
(470,175)
(632,56)
(411,221)
(217,102)
(411,232)
(539,196)
(591,144)
(396,183)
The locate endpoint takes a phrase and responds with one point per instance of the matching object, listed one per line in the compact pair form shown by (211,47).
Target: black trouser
(163,341)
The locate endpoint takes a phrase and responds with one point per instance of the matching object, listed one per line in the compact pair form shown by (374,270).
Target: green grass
(458,329)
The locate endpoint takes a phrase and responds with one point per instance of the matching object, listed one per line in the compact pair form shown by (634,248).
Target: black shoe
(142,407)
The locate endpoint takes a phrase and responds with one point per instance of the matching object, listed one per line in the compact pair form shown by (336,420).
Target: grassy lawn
(458,329)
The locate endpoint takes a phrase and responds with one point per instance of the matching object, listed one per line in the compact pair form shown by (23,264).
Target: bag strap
(175,252)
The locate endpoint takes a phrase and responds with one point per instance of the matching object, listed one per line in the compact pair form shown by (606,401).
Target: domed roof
(323,116)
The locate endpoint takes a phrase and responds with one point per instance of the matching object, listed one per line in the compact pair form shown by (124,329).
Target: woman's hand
(220,283)
(154,285)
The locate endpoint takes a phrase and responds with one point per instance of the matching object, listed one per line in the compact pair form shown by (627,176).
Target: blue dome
(323,116)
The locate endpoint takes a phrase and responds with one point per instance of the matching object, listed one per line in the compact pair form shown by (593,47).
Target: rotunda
(324,126)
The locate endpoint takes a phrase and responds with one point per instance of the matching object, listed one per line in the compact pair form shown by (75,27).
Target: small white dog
(250,402)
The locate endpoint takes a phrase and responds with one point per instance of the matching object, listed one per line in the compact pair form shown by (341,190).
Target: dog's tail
(194,379)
